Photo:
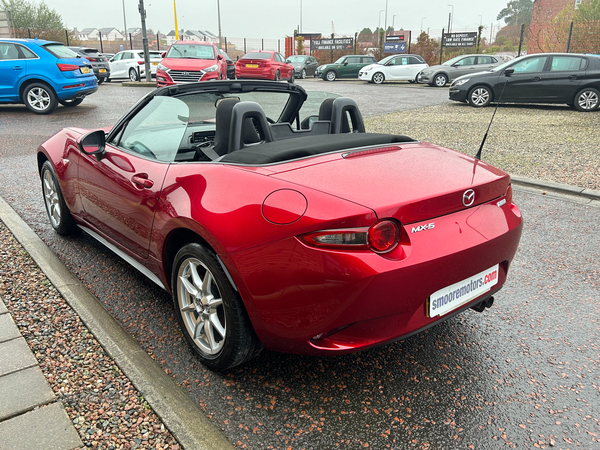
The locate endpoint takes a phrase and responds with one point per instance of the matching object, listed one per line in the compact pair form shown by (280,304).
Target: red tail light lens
(90,59)
(383,236)
(67,67)
(140,62)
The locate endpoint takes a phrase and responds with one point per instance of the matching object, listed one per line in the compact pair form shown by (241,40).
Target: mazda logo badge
(469,197)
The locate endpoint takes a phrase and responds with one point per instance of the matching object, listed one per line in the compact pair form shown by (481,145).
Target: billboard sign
(332,44)
(394,47)
(460,39)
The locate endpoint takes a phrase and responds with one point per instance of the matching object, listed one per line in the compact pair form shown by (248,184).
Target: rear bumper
(77,88)
(321,302)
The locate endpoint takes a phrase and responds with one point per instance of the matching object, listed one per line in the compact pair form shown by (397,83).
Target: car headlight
(461,82)
(212,68)
(320,68)
(161,67)
(367,69)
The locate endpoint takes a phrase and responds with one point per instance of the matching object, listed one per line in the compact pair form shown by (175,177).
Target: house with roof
(191,35)
(87,34)
(111,34)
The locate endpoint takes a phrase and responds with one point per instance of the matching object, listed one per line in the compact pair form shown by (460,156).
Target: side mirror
(345,63)
(288,61)
(93,143)
(219,57)
(508,72)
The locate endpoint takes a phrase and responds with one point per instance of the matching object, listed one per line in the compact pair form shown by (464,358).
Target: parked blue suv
(42,74)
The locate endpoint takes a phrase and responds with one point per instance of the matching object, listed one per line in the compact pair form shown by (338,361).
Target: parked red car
(189,62)
(272,227)
(264,66)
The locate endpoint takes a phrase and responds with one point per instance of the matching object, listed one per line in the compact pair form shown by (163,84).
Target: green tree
(588,11)
(517,12)
(32,16)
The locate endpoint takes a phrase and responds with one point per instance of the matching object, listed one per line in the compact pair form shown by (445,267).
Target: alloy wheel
(201,306)
(39,99)
(51,198)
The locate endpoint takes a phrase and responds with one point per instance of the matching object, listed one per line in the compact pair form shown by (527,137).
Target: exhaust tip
(482,305)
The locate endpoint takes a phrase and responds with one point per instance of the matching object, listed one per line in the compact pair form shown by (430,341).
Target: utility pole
(145,41)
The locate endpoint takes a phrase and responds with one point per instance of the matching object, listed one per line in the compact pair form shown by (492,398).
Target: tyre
(40,98)
(72,102)
(133,75)
(210,312)
(101,80)
(587,100)
(440,80)
(480,96)
(292,77)
(330,76)
(277,76)
(378,78)
(108,80)
(303,74)
(58,213)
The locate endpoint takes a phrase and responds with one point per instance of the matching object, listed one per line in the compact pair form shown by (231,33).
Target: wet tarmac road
(523,374)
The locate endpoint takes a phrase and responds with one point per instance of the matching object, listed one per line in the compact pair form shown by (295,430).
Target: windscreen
(191,51)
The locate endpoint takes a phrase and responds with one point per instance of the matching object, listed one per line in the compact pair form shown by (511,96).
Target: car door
(398,68)
(486,63)
(116,66)
(13,67)
(311,65)
(120,191)
(350,67)
(526,82)
(462,67)
(564,77)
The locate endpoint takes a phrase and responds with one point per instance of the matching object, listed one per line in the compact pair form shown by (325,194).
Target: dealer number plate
(254,66)
(102,70)
(85,69)
(456,295)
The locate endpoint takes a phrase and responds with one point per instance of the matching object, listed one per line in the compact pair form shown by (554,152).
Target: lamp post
(124,20)
(422,23)
(300,16)
(393,21)
(219,19)
(385,21)
(379,28)
(451,21)
(480,19)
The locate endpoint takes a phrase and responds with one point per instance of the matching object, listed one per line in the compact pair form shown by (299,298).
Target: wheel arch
(27,82)
(487,85)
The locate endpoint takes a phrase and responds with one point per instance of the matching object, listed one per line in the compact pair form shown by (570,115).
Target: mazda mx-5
(276,221)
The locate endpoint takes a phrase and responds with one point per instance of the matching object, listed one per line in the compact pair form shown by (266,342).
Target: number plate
(101,70)
(451,297)
(253,66)
(155,64)
(85,70)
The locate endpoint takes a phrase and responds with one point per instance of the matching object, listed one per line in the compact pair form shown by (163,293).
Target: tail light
(67,67)
(90,59)
(140,63)
(381,237)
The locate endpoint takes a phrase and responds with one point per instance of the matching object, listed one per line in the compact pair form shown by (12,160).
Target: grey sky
(273,19)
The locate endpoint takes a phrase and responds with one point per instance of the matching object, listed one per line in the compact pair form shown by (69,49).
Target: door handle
(141,179)
(17,68)
(573,77)
(536,79)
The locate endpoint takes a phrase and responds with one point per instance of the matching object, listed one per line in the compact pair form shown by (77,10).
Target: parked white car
(393,68)
(130,64)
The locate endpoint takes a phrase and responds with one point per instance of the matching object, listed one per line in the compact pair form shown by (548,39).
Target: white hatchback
(393,68)
(130,64)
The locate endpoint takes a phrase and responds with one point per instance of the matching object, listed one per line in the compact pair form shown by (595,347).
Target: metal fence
(580,37)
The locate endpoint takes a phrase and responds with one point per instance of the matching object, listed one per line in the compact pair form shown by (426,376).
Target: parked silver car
(441,74)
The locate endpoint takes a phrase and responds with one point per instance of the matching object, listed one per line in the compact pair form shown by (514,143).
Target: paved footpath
(31,417)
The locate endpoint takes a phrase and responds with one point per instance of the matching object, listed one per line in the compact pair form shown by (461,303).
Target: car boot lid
(411,182)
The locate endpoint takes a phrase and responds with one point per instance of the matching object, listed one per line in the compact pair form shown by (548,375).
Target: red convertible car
(278,222)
